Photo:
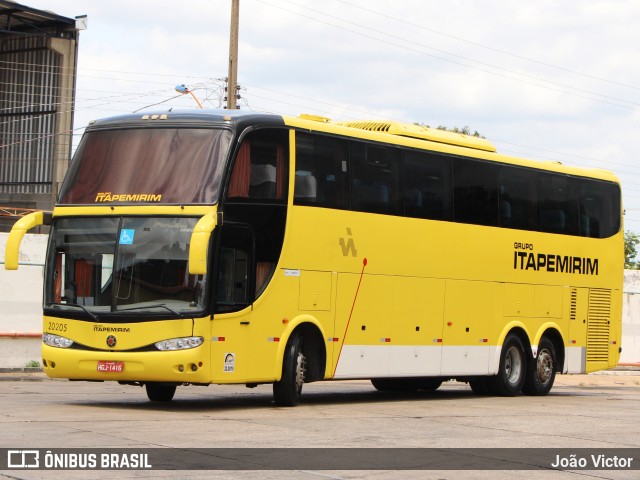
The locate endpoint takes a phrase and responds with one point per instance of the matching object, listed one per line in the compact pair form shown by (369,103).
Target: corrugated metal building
(38,51)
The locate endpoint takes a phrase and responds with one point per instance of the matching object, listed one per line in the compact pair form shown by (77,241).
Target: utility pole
(232,84)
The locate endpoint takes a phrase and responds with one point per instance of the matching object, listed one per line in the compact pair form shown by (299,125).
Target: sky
(548,80)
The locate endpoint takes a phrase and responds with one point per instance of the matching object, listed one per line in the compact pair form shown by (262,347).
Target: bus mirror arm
(200,244)
(22,226)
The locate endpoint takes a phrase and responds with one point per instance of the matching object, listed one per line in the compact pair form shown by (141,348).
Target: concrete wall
(21,307)
(21,303)
(631,318)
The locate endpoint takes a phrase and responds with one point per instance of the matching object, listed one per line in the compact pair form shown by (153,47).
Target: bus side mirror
(26,223)
(200,244)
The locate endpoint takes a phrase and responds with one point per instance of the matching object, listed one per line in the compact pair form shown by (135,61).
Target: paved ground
(598,411)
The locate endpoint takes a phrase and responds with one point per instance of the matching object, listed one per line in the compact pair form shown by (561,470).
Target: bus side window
(558,204)
(320,171)
(375,179)
(517,198)
(599,209)
(475,192)
(427,191)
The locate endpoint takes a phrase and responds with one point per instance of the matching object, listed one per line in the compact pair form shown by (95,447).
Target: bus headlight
(183,343)
(56,341)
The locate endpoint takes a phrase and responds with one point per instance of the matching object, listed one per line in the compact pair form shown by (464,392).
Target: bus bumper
(181,366)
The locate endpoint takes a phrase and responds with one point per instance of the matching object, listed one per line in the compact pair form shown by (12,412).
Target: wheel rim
(544,366)
(513,365)
(301,367)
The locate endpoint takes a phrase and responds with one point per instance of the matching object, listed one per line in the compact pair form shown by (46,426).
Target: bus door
(231,332)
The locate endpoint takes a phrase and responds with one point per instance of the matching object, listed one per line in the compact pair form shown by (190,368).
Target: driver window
(233,286)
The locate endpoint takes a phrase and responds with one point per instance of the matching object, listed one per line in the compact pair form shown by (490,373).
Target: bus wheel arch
(303,361)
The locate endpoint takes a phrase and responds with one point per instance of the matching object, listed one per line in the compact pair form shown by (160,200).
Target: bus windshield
(119,265)
(147,165)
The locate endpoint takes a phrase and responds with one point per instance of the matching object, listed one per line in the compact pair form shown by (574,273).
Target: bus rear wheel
(542,370)
(158,392)
(288,391)
(513,368)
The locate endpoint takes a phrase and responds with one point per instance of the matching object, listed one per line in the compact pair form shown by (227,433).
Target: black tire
(406,384)
(542,370)
(394,384)
(288,391)
(480,386)
(512,370)
(158,392)
(429,384)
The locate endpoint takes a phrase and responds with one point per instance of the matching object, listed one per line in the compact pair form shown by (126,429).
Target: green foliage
(33,364)
(464,130)
(631,241)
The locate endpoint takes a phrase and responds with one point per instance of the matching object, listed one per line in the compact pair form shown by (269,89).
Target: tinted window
(321,171)
(375,179)
(518,204)
(599,209)
(475,192)
(147,165)
(558,204)
(427,186)
(366,177)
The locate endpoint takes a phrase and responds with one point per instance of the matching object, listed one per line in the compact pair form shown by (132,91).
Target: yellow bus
(239,248)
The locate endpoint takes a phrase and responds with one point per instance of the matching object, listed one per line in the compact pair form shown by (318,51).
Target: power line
(582,93)
(386,16)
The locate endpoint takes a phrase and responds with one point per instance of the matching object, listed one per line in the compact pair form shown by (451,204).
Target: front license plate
(104,366)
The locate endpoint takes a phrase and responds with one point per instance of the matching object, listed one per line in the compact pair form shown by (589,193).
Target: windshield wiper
(158,305)
(75,305)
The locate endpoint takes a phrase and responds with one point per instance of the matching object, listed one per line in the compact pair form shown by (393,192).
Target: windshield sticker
(126,236)
(126,197)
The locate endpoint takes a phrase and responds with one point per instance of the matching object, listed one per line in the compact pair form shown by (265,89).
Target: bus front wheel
(158,392)
(542,372)
(288,391)
(513,368)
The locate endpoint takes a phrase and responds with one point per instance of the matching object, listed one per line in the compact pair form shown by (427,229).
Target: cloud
(548,76)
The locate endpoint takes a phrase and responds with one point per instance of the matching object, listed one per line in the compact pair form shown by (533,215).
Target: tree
(631,241)
(464,130)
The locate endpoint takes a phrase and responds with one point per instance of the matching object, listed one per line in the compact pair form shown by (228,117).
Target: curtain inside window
(239,184)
